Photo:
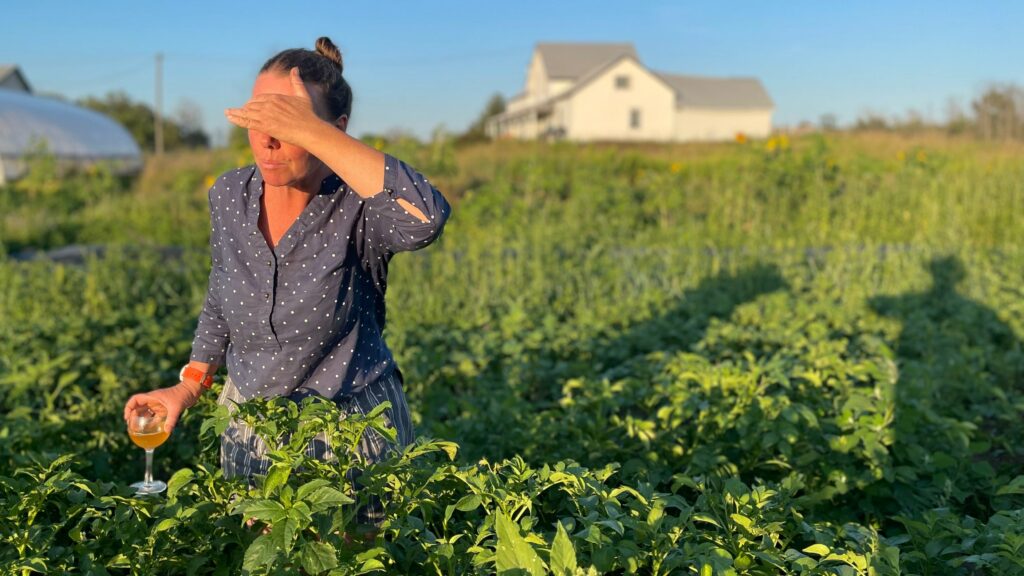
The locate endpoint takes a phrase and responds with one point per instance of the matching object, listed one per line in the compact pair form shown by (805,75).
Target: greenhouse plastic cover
(70,131)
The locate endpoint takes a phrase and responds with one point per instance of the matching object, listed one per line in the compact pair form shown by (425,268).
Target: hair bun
(326,48)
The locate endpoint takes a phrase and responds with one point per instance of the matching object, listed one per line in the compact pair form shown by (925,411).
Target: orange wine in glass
(146,429)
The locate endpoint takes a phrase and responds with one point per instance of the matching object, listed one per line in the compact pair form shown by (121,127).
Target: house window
(634,118)
(622,82)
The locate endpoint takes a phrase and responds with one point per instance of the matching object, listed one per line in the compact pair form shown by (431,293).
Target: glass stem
(149,466)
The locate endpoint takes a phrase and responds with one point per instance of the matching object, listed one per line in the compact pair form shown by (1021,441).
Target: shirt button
(269,263)
(266,295)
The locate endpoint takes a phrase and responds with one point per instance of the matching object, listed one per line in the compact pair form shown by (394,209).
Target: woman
(300,243)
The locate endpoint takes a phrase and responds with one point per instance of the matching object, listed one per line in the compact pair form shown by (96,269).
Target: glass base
(154,487)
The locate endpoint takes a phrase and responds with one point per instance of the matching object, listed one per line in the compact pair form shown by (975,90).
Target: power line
(106,79)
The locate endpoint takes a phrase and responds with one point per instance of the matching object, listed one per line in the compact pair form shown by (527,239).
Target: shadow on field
(958,364)
(499,418)
(684,325)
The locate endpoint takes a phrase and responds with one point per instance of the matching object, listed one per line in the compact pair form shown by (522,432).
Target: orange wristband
(196,375)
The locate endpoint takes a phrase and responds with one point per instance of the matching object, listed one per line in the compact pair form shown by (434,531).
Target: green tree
(477,130)
(139,119)
(999,113)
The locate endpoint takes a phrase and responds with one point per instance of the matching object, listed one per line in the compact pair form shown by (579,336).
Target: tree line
(996,113)
(183,129)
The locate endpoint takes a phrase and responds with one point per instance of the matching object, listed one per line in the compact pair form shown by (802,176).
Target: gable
(572,61)
(11,78)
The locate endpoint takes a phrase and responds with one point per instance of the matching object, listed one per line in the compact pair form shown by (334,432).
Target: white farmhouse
(589,92)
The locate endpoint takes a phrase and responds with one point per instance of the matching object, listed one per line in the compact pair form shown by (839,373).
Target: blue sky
(417,65)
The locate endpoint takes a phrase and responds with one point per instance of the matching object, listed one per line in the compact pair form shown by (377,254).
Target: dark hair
(322,68)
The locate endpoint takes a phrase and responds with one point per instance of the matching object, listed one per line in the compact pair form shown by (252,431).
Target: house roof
(8,70)
(573,60)
(705,92)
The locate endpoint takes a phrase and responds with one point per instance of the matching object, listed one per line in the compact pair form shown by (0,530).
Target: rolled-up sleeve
(394,228)
(211,337)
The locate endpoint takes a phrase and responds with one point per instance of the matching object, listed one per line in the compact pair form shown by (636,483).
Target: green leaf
(614,525)
(266,510)
(705,518)
(563,554)
(513,552)
(283,534)
(1016,486)
(259,554)
(309,487)
(325,497)
(33,564)
(450,448)
(179,480)
(743,521)
(736,488)
(468,503)
(371,565)
(276,476)
(378,410)
(165,524)
(119,561)
(317,557)
(218,421)
(817,550)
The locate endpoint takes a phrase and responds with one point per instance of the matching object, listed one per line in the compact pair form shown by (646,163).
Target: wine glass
(146,429)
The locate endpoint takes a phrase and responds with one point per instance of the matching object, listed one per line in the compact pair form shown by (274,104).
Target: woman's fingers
(298,87)
(131,405)
(287,118)
(246,117)
(150,401)
(249,523)
(237,118)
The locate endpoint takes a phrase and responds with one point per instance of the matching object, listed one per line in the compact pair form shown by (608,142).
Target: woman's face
(281,163)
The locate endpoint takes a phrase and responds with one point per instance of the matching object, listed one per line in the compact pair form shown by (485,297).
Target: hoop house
(74,135)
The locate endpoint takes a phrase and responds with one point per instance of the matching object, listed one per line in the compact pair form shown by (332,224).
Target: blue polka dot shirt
(308,316)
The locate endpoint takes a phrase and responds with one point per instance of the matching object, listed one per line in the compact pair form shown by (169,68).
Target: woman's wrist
(321,137)
(193,389)
(359,165)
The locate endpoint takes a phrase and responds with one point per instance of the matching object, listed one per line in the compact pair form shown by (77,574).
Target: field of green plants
(796,356)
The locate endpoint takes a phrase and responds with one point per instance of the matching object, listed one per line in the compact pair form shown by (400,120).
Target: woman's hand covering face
(288,118)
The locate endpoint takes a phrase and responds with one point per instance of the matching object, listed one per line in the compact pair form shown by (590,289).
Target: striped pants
(243,453)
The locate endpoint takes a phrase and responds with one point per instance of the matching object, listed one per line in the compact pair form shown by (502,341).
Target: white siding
(714,124)
(517,103)
(600,111)
(556,87)
(536,80)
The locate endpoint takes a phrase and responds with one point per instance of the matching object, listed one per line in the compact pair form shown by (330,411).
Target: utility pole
(158,132)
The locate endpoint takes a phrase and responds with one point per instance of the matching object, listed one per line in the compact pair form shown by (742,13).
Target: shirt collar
(328,186)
